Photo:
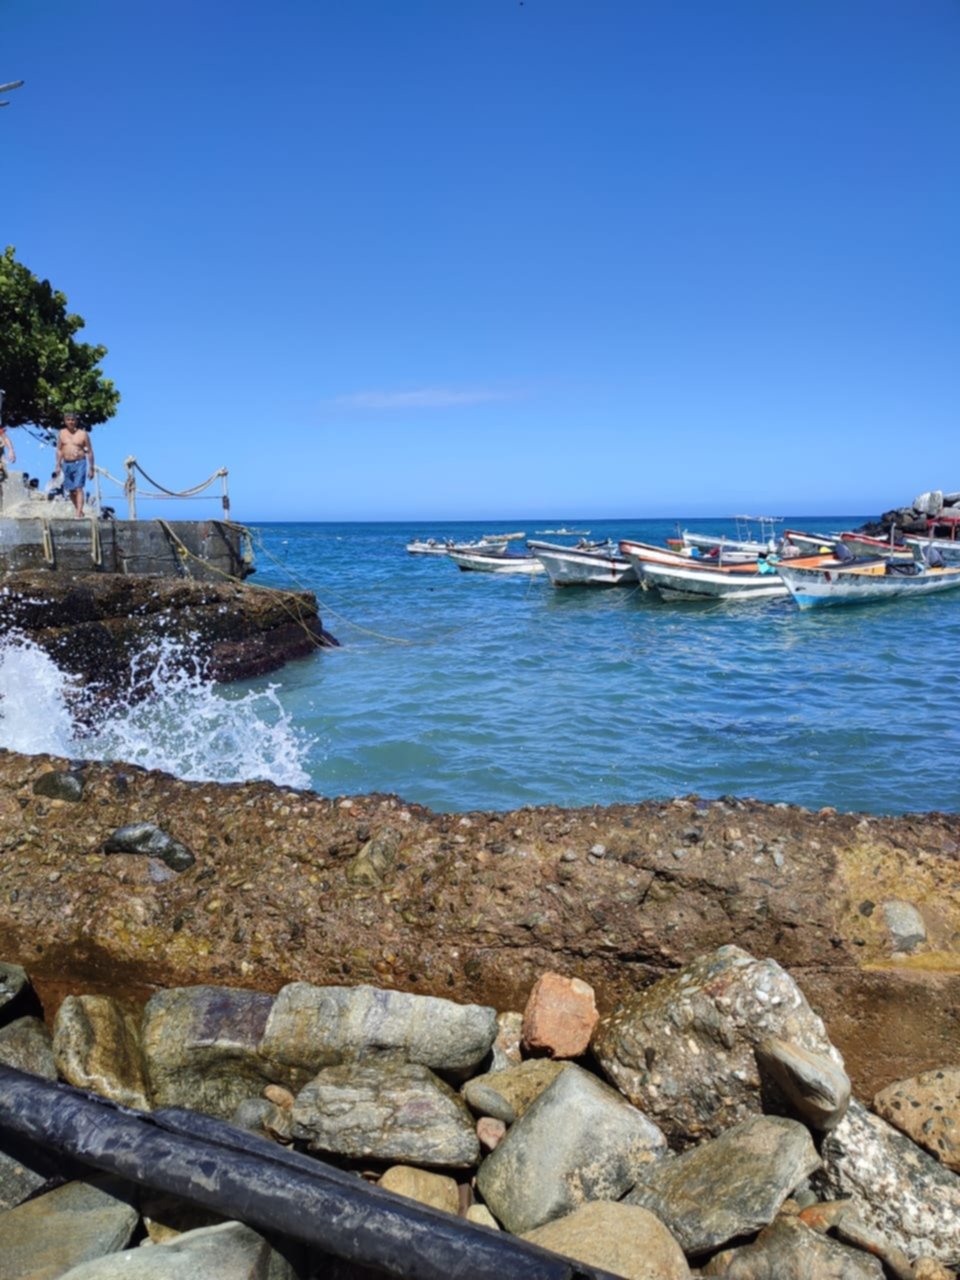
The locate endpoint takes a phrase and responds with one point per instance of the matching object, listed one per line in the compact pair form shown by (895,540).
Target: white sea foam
(182,723)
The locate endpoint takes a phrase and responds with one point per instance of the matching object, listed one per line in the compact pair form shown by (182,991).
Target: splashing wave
(182,723)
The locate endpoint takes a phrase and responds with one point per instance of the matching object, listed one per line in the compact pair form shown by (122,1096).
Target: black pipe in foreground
(255,1181)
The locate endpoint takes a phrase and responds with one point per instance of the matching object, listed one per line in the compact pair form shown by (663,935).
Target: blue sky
(406,259)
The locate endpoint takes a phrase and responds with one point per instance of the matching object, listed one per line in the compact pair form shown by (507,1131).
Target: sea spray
(179,721)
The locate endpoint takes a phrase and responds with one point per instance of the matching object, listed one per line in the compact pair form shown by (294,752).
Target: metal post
(225,497)
(130,487)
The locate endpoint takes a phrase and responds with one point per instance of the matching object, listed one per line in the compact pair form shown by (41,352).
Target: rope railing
(132,491)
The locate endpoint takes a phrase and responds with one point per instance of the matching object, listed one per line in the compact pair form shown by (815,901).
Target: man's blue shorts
(74,475)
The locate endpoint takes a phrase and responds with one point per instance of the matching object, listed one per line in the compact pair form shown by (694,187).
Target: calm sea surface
(464,690)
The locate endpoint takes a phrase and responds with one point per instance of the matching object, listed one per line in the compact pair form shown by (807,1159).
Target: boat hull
(833,584)
(473,562)
(574,567)
(687,581)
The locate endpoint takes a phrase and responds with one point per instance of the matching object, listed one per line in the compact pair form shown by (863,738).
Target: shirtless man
(74,450)
(5,443)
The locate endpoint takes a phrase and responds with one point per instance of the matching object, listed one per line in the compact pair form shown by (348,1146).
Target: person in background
(5,443)
(74,451)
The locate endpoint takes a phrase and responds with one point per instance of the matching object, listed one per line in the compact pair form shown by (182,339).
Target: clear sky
(405,259)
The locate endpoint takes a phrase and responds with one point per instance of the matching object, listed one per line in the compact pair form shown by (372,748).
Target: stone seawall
(255,886)
(96,625)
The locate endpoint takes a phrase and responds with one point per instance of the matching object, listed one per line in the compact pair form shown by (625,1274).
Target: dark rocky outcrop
(103,627)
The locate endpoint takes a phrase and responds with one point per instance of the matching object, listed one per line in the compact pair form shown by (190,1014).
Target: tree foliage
(43,368)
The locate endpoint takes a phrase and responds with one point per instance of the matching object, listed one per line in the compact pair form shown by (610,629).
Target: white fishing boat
(429,547)
(755,535)
(949,548)
(565,533)
(587,565)
(486,562)
(679,578)
(816,582)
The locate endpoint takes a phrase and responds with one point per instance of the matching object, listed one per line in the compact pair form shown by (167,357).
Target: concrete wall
(214,550)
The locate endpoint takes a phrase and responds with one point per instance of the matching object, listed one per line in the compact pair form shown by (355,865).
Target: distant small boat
(566,533)
(477,561)
(816,582)
(596,565)
(428,547)
(503,537)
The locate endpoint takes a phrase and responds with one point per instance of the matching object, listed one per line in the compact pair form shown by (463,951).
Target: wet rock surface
(477,906)
(100,626)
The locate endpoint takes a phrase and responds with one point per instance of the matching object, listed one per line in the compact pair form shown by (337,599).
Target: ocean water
(469,691)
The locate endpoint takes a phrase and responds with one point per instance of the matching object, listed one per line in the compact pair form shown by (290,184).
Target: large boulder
(729,1187)
(76,1223)
(909,1197)
(386,1109)
(312,1027)
(578,1141)
(684,1049)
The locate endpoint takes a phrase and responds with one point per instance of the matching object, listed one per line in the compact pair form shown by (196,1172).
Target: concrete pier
(204,550)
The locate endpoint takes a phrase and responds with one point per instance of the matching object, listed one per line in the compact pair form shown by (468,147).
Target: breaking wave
(181,722)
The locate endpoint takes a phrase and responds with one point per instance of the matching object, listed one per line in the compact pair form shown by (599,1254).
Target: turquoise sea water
(465,691)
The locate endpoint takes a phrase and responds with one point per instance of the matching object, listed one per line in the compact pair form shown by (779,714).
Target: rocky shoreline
(277,885)
(705,1127)
(278,959)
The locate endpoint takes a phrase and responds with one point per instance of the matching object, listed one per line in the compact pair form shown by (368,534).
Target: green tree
(43,368)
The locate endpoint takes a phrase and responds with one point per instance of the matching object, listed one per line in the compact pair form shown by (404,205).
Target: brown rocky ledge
(286,885)
(95,625)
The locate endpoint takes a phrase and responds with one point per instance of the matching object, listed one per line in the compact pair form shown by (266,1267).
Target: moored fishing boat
(690,580)
(816,582)
(478,561)
(755,535)
(586,565)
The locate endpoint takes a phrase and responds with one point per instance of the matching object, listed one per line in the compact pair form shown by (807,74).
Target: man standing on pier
(74,450)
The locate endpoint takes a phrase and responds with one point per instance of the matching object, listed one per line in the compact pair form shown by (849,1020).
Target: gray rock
(17,997)
(386,1110)
(313,1027)
(228,1251)
(24,1168)
(906,925)
(59,785)
(148,839)
(929,503)
(683,1049)
(788,1250)
(620,1238)
(579,1141)
(76,1223)
(728,1187)
(96,1043)
(200,1049)
(909,1197)
(814,1087)
(25,1044)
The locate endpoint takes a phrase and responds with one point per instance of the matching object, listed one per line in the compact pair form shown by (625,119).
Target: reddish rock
(490,1132)
(560,1017)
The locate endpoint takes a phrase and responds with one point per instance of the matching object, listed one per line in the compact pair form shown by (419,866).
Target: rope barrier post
(130,487)
(224,497)
(96,489)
